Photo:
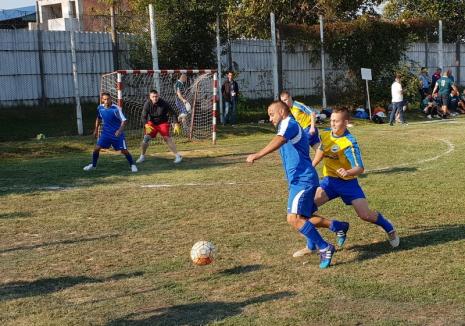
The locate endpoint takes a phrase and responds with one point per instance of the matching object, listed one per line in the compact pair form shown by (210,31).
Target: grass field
(112,248)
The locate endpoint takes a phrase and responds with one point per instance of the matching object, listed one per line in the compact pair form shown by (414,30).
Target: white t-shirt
(396,92)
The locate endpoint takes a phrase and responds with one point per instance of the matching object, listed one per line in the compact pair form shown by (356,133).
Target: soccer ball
(40,137)
(203,253)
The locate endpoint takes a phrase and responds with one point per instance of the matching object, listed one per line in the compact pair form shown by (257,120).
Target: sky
(9,4)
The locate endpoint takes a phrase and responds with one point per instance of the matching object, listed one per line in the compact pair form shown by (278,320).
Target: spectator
(436,76)
(454,102)
(461,105)
(444,87)
(425,82)
(449,74)
(230,92)
(429,107)
(397,100)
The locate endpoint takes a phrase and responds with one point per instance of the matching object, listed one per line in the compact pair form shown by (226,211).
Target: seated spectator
(454,102)
(461,105)
(429,107)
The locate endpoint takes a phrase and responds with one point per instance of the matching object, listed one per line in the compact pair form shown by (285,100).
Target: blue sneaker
(342,234)
(326,255)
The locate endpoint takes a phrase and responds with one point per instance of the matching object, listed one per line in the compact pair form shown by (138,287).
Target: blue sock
(384,223)
(337,226)
(95,156)
(310,232)
(129,158)
(310,244)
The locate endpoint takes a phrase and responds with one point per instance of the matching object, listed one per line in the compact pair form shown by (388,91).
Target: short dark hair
(284,92)
(153,91)
(342,109)
(280,104)
(105,94)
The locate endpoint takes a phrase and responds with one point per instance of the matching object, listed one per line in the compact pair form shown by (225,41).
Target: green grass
(99,249)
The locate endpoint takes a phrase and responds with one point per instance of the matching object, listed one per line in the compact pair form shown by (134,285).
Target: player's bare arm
(354,172)
(318,157)
(273,145)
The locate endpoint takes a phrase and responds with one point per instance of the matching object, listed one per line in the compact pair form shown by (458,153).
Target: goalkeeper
(155,118)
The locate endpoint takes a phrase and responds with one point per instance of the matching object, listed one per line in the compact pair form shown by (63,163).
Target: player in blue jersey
(112,132)
(342,163)
(301,176)
(305,116)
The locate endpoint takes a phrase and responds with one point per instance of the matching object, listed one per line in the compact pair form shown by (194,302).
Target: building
(17,18)
(83,15)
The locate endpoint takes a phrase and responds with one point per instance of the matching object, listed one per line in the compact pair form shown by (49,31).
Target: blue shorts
(301,200)
(348,190)
(180,105)
(312,139)
(118,143)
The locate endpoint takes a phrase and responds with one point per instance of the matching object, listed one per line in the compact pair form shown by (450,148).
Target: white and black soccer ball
(203,253)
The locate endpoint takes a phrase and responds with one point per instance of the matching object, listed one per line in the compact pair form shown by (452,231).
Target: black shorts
(445,100)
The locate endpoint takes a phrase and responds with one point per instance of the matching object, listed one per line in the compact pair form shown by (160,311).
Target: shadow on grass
(23,289)
(432,237)
(4,216)
(58,242)
(195,313)
(241,269)
(390,170)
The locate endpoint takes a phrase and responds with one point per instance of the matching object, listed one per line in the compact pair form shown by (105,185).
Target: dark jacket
(229,87)
(158,112)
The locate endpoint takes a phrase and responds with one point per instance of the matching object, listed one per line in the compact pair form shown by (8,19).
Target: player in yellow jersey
(305,116)
(342,163)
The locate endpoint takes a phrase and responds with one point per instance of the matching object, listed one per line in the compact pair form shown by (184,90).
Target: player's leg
(119,144)
(365,213)
(169,141)
(150,131)
(95,156)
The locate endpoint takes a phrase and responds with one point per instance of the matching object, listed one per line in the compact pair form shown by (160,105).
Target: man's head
(154,96)
(398,76)
(286,97)
(183,78)
(438,70)
(277,111)
(424,70)
(339,120)
(449,72)
(230,75)
(106,99)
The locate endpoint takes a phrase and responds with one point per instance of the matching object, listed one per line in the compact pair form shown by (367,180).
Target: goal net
(130,89)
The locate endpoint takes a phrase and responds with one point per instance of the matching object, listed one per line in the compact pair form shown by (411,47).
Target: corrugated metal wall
(252,61)
(20,81)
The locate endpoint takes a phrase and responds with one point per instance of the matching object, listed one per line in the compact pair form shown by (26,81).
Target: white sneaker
(88,167)
(178,159)
(134,168)
(303,252)
(394,239)
(429,116)
(140,159)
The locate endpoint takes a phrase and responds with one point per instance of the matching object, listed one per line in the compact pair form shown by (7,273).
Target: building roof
(18,13)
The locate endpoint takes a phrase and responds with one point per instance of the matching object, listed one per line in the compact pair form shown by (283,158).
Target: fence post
(274,54)
(323,77)
(114,37)
(441,48)
(457,62)
(153,40)
(218,59)
(76,83)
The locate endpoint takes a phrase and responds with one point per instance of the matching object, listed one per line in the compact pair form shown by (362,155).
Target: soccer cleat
(134,168)
(303,252)
(394,239)
(326,255)
(342,235)
(140,159)
(429,116)
(178,159)
(89,167)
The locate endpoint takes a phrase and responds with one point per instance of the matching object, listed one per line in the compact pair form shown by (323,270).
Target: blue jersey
(111,117)
(295,154)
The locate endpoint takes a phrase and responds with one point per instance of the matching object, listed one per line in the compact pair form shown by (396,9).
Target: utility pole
(114,37)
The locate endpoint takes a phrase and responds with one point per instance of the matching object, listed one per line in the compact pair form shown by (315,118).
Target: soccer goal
(130,89)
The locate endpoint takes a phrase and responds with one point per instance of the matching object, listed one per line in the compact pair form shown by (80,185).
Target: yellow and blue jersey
(302,114)
(339,152)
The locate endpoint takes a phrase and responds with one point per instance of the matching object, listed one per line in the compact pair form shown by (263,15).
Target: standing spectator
(444,87)
(425,82)
(451,77)
(397,100)
(454,101)
(436,76)
(230,92)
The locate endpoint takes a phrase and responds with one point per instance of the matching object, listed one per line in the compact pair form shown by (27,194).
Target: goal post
(129,89)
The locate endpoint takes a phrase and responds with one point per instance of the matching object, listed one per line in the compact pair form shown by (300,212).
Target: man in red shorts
(155,118)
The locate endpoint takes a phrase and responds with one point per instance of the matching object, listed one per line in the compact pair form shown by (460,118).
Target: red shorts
(152,129)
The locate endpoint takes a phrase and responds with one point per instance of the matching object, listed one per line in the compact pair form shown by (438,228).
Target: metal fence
(252,61)
(35,67)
